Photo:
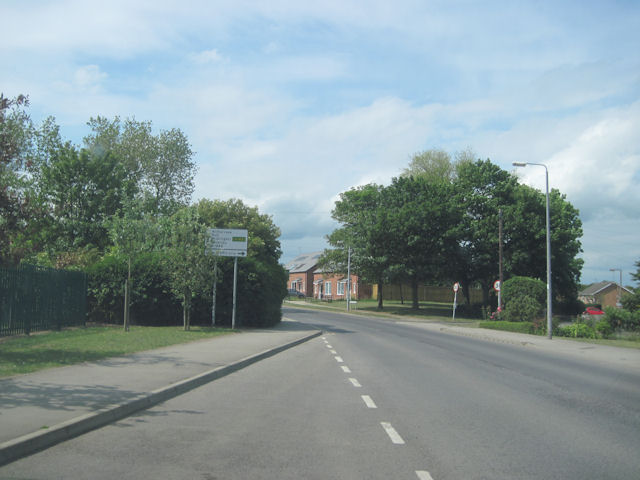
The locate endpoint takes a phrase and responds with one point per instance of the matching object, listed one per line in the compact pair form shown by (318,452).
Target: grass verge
(27,354)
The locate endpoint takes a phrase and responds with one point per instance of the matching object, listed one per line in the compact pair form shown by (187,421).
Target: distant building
(306,277)
(301,270)
(603,293)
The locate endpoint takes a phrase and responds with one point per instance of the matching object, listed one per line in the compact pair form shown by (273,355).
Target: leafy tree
(363,216)
(261,279)
(15,131)
(19,206)
(481,190)
(263,233)
(525,249)
(161,165)
(185,237)
(632,302)
(422,217)
(435,164)
(84,190)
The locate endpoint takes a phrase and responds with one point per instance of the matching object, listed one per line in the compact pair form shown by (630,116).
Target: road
(372,399)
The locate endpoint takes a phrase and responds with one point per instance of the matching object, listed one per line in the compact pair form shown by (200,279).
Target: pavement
(41,409)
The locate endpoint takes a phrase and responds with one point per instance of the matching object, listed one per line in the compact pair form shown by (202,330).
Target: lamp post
(619,296)
(549,296)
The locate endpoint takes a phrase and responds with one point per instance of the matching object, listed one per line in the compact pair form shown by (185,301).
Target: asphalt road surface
(372,399)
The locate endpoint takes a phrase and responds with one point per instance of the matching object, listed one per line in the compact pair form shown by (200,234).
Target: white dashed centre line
(329,346)
(339,359)
(333,351)
(368,401)
(393,435)
(345,369)
(355,382)
(423,475)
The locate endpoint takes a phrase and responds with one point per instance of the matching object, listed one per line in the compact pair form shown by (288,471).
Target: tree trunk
(379,295)
(186,310)
(415,304)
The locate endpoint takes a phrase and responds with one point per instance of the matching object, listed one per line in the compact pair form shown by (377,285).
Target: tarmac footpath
(41,409)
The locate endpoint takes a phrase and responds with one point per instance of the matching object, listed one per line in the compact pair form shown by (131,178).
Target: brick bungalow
(603,293)
(301,271)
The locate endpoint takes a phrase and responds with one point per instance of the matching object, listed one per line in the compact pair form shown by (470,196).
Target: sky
(289,103)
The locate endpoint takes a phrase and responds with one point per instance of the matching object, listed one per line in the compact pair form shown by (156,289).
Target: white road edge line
(345,369)
(393,435)
(355,382)
(423,475)
(368,401)
(339,359)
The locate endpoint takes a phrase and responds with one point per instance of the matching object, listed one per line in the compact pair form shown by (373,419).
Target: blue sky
(289,103)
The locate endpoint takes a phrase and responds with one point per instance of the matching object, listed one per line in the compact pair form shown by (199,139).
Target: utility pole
(349,280)
(500,258)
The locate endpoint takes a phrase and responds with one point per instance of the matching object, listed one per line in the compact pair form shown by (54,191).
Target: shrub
(621,319)
(151,304)
(603,328)
(631,302)
(576,330)
(517,287)
(522,309)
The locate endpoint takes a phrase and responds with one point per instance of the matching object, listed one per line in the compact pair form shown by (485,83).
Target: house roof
(598,287)
(303,263)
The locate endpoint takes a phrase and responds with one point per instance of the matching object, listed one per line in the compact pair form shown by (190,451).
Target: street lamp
(619,299)
(549,296)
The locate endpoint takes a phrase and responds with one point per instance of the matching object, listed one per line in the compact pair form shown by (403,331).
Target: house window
(340,288)
(327,288)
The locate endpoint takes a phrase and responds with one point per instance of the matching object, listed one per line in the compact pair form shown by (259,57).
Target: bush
(620,319)
(262,286)
(522,309)
(151,302)
(576,330)
(603,329)
(517,287)
(631,302)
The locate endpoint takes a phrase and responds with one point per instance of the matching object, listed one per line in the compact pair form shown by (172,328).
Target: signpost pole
(455,299)
(235,283)
(215,286)
(227,243)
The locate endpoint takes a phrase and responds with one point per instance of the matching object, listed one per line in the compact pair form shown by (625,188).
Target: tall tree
(363,216)
(422,217)
(161,165)
(434,164)
(525,241)
(481,190)
(84,188)
(18,203)
(188,267)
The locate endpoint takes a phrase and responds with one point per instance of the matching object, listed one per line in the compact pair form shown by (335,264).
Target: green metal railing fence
(37,298)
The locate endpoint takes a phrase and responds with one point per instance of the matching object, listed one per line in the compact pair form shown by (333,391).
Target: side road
(41,409)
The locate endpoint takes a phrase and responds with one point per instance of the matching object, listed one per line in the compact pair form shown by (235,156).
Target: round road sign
(496,285)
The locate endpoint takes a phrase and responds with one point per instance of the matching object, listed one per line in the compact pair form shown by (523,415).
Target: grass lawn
(26,354)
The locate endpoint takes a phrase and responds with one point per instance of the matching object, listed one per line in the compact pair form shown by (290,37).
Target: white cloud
(206,56)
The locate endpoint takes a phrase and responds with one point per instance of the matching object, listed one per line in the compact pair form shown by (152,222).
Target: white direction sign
(228,242)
